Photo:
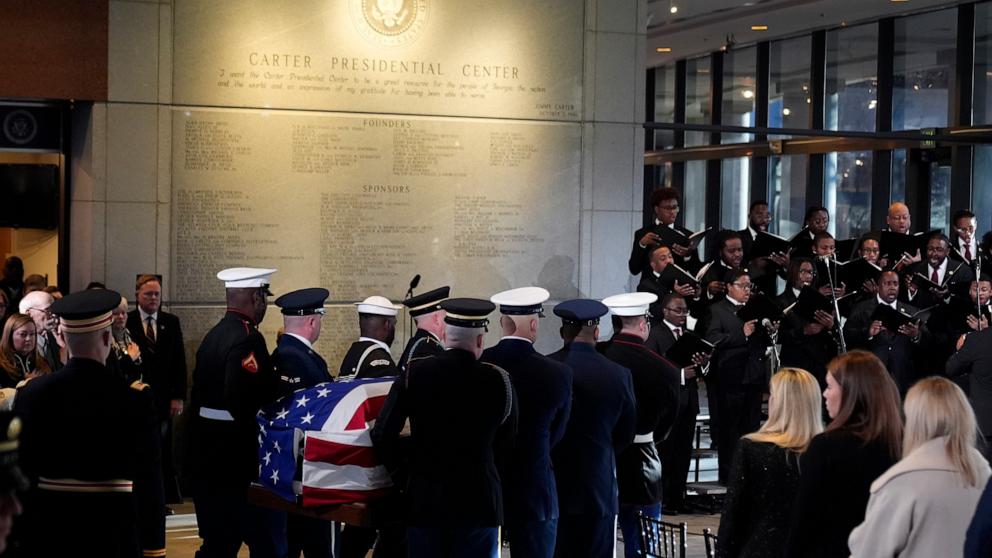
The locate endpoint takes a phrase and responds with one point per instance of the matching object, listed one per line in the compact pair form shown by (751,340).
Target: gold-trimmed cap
(86,311)
(467,312)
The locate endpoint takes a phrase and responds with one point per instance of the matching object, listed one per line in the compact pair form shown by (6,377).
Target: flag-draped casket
(315,443)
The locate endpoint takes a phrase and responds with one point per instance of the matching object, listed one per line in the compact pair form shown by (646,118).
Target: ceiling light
(663,49)
(859,162)
(809,101)
(674,9)
(872,104)
(759,28)
(747,94)
(786,111)
(916,87)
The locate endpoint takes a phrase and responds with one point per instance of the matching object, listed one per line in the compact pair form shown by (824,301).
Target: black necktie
(150,331)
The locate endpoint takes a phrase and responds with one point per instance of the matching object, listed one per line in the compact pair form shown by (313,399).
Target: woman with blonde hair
(765,470)
(862,440)
(922,505)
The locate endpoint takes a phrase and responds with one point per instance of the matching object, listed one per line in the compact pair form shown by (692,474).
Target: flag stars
(322,392)
(275,476)
(302,402)
(275,445)
(306,418)
(281,415)
(268,457)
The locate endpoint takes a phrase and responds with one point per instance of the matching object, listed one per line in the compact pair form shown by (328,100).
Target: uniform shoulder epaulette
(138,385)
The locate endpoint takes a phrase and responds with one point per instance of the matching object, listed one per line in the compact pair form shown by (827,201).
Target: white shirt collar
(377,342)
(302,339)
(144,315)
(672,326)
(734,301)
(754,233)
(796,291)
(517,338)
(890,305)
(941,269)
(655,273)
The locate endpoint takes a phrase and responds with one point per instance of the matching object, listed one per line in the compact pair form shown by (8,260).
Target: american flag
(322,433)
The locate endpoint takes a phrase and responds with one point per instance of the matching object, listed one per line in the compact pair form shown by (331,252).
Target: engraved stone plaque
(427,57)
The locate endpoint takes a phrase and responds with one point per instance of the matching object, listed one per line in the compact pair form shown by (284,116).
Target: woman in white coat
(922,505)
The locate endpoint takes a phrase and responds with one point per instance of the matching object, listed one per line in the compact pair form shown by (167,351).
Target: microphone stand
(833,296)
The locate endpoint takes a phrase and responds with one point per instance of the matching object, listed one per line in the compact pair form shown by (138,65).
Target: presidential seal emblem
(390,22)
(20,127)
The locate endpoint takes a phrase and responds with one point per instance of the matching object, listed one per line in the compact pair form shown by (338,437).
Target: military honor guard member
(463,418)
(600,426)
(299,366)
(90,447)
(425,309)
(656,392)
(232,379)
(369,357)
(544,397)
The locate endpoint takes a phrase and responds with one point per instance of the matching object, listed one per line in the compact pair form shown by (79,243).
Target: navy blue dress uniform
(656,392)
(544,397)
(232,379)
(298,366)
(463,419)
(600,426)
(367,357)
(423,343)
(295,362)
(90,447)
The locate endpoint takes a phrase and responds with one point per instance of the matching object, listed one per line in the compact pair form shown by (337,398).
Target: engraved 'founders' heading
(390,22)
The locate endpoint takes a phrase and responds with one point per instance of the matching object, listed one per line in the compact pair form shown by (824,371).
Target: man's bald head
(898,218)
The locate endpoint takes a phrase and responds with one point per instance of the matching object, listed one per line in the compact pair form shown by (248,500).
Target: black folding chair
(709,539)
(660,539)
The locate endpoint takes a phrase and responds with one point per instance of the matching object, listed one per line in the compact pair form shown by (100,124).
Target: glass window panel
(981,189)
(697,99)
(847,192)
(851,84)
(735,181)
(982,109)
(739,70)
(664,105)
(788,83)
(694,204)
(787,193)
(940,197)
(898,190)
(923,69)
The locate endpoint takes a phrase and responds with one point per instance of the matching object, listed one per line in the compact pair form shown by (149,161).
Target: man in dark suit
(676,450)
(600,425)
(728,257)
(656,392)
(544,396)
(651,281)
(937,268)
(90,447)
(37,304)
(369,357)
(973,361)
(894,348)
(817,220)
(163,356)
(425,309)
(299,366)
(964,244)
(665,202)
(765,270)
(739,367)
(463,420)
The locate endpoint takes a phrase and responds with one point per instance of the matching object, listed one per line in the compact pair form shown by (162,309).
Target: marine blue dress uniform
(367,357)
(90,447)
(232,379)
(544,396)
(600,425)
(463,419)
(656,392)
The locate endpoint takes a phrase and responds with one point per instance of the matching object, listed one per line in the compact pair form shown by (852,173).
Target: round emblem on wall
(20,127)
(390,22)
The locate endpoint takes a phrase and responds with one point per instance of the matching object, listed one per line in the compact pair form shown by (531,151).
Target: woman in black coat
(862,441)
(765,472)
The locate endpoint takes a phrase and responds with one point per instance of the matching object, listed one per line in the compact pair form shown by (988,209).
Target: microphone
(766,322)
(415,281)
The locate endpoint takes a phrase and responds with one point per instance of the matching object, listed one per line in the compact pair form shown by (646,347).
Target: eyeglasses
(669,207)
(677,311)
(970,230)
(805,272)
(745,286)
(45,311)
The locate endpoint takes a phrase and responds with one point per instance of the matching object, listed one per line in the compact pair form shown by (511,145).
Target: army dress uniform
(232,379)
(90,447)
(423,343)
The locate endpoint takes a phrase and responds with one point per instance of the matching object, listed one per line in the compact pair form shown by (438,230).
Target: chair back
(660,539)
(709,539)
